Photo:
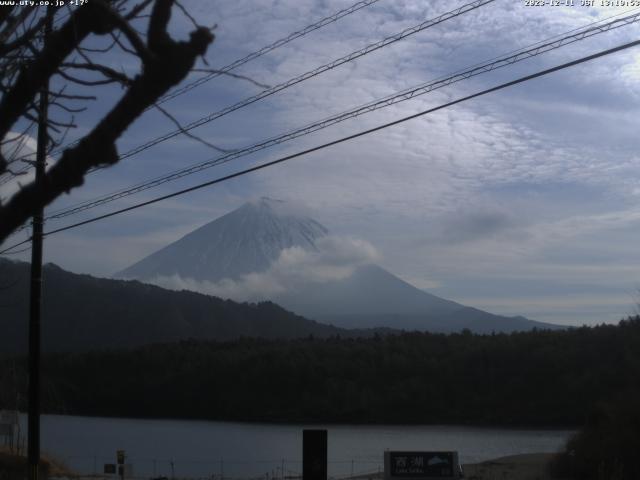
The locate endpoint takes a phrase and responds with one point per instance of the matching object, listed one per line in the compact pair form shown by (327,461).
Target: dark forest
(539,378)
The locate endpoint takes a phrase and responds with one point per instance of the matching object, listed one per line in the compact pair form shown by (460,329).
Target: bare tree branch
(135,11)
(5,13)
(72,97)
(116,39)
(166,62)
(189,134)
(67,108)
(86,83)
(61,43)
(132,36)
(23,39)
(13,23)
(106,49)
(186,13)
(108,72)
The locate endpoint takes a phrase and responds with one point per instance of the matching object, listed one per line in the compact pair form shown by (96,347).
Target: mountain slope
(243,241)
(373,297)
(251,238)
(81,312)
(370,290)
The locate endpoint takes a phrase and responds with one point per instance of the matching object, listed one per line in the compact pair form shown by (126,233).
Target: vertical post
(314,455)
(33,454)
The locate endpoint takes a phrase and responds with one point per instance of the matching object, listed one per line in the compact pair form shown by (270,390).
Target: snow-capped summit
(313,280)
(243,241)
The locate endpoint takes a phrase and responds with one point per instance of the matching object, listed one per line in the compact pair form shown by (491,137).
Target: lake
(199,449)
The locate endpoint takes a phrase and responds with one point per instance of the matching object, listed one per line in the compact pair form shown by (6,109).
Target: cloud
(335,258)
(470,224)
(479,191)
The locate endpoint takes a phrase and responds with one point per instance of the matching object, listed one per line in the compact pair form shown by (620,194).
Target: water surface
(198,449)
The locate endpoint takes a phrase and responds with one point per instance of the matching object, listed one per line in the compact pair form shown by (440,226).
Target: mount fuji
(299,265)
(243,241)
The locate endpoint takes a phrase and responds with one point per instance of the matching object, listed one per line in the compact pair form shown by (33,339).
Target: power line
(500,62)
(17,252)
(7,251)
(258,53)
(310,74)
(239,62)
(343,139)
(265,93)
(6,177)
(252,56)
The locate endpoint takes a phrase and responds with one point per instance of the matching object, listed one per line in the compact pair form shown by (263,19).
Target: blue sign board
(421,465)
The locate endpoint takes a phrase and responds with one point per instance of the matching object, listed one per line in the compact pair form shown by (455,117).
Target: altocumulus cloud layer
(522,202)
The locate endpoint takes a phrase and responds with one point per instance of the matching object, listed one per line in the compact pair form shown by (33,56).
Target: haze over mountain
(372,297)
(81,313)
(267,250)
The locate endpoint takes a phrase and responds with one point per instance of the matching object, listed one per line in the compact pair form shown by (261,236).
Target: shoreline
(526,466)
(311,423)
(529,466)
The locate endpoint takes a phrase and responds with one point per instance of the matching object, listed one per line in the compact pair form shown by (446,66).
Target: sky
(520,202)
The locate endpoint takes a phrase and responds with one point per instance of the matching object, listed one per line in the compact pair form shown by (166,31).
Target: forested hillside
(81,313)
(540,378)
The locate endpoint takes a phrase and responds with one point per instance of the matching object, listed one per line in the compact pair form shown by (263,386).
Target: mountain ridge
(250,240)
(81,312)
(246,252)
(421,311)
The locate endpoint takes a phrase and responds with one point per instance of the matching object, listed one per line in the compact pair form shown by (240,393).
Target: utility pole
(33,453)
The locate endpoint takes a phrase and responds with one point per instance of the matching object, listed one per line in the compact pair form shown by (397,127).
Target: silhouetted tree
(607,447)
(543,378)
(28,59)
